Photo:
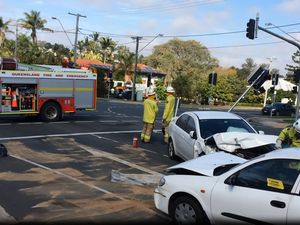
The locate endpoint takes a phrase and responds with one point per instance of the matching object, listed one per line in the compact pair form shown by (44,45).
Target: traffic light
(212,78)
(251,29)
(259,73)
(271,90)
(275,78)
(297,76)
(295,90)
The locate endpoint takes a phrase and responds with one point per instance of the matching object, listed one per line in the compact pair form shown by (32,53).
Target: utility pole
(76,33)
(135,65)
(16,41)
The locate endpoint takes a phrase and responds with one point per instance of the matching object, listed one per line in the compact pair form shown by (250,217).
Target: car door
(188,141)
(179,134)
(258,193)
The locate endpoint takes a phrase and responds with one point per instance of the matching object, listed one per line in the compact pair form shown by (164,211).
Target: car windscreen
(210,127)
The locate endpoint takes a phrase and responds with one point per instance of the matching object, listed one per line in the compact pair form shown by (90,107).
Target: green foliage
(160,89)
(33,21)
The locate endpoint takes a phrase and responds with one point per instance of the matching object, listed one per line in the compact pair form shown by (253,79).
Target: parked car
(190,133)
(279,109)
(221,188)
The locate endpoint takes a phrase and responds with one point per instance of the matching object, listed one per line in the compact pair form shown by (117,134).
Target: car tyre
(171,150)
(186,210)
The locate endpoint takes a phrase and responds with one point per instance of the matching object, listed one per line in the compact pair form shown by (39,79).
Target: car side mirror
(261,132)
(193,134)
(231,180)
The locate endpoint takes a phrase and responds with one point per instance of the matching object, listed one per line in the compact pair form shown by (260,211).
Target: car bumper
(161,200)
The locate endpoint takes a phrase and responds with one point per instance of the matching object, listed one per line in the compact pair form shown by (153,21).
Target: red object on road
(135,142)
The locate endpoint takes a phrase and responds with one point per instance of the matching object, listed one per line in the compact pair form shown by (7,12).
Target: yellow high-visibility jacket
(169,108)
(150,110)
(289,133)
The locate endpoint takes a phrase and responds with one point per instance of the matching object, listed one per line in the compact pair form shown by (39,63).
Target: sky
(217,24)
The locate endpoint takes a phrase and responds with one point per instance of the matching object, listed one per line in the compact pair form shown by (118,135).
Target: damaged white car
(201,132)
(222,188)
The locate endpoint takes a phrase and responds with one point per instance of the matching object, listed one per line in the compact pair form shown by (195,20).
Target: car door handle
(277,204)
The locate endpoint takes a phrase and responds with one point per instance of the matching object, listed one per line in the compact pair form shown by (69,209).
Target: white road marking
(99,153)
(60,122)
(84,121)
(5,124)
(108,121)
(105,138)
(68,176)
(72,134)
(30,123)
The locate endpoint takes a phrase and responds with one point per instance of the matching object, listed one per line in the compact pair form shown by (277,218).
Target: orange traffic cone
(135,142)
(14,103)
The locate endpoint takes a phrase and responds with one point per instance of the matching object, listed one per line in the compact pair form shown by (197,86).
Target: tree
(126,59)
(296,60)
(34,22)
(178,57)
(3,29)
(247,68)
(107,47)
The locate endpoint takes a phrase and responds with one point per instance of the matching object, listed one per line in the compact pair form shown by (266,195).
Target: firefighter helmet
(151,91)
(170,89)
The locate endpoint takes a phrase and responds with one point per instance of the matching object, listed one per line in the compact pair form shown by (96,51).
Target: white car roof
(215,115)
(206,164)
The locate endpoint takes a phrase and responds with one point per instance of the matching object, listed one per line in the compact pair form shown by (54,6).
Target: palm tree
(3,29)
(107,46)
(34,22)
(126,59)
(95,36)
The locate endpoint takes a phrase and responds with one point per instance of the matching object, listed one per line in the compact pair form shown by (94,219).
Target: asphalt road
(84,168)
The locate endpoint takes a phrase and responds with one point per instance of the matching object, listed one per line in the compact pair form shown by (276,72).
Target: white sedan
(222,188)
(189,131)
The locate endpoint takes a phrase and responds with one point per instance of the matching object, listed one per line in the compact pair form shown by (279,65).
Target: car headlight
(162,182)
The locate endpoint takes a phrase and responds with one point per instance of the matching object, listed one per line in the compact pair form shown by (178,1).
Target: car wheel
(171,150)
(186,210)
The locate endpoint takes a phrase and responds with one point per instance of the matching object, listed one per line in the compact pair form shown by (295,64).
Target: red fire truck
(48,91)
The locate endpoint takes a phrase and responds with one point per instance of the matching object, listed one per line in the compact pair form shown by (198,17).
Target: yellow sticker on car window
(275,183)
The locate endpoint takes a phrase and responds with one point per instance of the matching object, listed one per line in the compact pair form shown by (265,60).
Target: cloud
(291,6)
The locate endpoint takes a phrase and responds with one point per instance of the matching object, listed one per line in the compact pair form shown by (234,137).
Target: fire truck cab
(48,91)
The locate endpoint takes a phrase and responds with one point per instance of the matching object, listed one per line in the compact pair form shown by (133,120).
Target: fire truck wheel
(51,112)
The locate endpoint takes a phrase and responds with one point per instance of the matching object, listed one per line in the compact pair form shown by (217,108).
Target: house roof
(87,62)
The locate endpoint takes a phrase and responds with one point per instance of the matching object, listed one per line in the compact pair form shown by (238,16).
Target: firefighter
(290,136)
(150,112)
(168,112)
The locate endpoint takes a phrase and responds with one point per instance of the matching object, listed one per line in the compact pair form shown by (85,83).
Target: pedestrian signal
(295,90)
(275,78)
(297,76)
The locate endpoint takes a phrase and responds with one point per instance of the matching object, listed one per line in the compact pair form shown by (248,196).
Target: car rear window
(209,127)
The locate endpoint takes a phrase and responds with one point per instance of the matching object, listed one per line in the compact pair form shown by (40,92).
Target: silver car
(189,131)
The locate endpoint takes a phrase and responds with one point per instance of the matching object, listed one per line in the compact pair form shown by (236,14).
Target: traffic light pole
(298,46)
(232,107)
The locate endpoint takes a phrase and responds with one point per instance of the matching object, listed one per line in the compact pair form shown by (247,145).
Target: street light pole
(76,34)
(55,18)
(137,38)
